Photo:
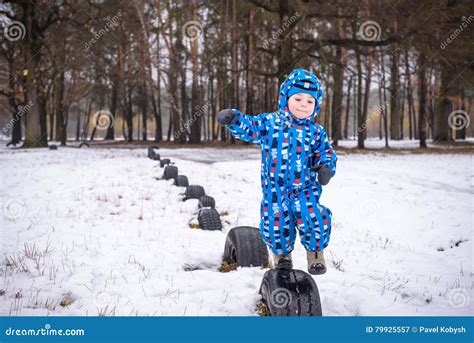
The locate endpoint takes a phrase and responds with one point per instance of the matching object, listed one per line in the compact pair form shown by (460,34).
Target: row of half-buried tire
(284,292)
(208,216)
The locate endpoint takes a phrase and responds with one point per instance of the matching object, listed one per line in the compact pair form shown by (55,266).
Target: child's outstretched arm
(325,158)
(242,126)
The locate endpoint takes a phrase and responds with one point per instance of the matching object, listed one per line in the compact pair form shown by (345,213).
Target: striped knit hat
(304,86)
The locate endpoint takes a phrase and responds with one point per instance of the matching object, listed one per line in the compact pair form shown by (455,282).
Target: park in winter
(236,158)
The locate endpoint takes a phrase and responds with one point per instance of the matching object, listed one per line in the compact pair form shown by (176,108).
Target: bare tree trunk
(338,76)
(355,111)
(249,108)
(385,102)
(196,102)
(124,80)
(16,98)
(173,72)
(444,105)
(213,105)
(158,112)
(348,106)
(60,129)
(409,95)
(184,101)
(381,110)
(395,130)
(113,104)
(461,133)
(87,119)
(360,118)
(78,126)
(52,115)
(35,124)
(285,56)
(423,125)
(144,114)
(221,73)
(402,107)
(367,91)
(394,97)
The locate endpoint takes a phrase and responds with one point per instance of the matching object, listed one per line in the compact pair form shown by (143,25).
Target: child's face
(301,105)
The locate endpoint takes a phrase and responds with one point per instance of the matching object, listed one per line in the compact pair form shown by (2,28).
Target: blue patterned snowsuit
(290,189)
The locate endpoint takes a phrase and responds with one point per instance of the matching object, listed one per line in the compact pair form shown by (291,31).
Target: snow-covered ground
(376,143)
(94,231)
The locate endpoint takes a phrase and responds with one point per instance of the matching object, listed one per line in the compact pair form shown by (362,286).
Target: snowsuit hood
(294,77)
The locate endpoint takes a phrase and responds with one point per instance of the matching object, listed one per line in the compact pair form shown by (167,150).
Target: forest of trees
(160,69)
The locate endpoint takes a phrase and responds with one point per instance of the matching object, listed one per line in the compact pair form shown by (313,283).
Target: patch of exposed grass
(262,309)
(228,267)
(66,300)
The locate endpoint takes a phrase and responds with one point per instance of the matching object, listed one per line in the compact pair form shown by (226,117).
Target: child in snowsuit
(297,158)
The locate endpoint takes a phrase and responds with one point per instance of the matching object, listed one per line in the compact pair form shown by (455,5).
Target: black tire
(206,201)
(53,147)
(290,293)
(209,219)
(164,162)
(84,144)
(155,157)
(171,172)
(181,181)
(194,192)
(151,152)
(245,247)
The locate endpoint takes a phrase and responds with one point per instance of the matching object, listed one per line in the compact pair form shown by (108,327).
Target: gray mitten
(226,117)
(324,174)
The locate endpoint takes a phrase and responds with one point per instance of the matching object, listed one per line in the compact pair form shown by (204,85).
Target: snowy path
(94,230)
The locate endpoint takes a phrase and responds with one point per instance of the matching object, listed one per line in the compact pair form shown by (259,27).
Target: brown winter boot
(316,263)
(282,261)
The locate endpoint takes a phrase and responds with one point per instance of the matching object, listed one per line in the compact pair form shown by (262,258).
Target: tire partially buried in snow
(209,219)
(245,247)
(164,162)
(194,192)
(289,292)
(171,172)
(151,153)
(181,181)
(206,201)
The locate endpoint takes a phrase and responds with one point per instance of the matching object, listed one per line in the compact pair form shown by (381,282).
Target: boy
(297,158)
